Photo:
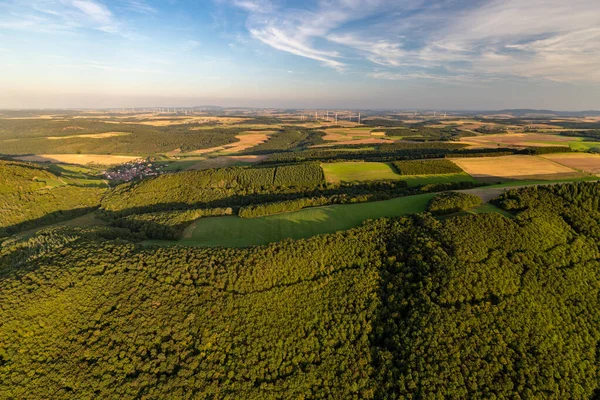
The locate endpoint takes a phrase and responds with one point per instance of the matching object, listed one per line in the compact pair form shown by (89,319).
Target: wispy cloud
(95,65)
(138,6)
(64,16)
(542,39)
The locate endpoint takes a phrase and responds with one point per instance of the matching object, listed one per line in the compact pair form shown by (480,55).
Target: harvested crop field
(339,134)
(516,167)
(246,140)
(517,140)
(581,161)
(90,136)
(80,159)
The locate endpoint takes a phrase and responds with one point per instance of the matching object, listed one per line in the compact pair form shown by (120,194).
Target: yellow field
(516,167)
(246,141)
(80,159)
(581,161)
(90,136)
(516,140)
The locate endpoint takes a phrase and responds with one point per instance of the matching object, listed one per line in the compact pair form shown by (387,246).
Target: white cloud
(138,6)
(542,39)
(96,11)
(64,16)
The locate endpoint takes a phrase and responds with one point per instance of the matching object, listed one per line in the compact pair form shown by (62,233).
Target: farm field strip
(581,161)
(515,167)
(370,171)
(80,159)
(359,171)
(90,136)
(246,140)
(519,140)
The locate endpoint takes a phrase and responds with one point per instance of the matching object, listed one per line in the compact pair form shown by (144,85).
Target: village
(137,169)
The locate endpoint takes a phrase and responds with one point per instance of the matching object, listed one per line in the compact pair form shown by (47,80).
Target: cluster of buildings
(138,169)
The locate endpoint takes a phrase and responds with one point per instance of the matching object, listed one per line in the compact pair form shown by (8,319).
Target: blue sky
(446,54)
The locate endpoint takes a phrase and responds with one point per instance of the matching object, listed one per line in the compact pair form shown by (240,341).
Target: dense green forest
(477,306)
(452,202)
(32,196)
(426,167)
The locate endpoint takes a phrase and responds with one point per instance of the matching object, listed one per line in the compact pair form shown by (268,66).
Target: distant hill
(544,113)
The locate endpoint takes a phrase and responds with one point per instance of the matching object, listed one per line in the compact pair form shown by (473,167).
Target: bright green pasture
(359,171)
(584,146)
(233,231)
(372,171)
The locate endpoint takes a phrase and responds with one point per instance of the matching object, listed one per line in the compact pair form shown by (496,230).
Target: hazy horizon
(373,54)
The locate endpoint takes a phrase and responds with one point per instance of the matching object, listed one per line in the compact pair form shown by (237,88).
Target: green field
(359,171)
(240,232)
(372,171)
(584,146)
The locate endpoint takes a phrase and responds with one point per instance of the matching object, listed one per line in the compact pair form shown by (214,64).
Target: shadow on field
(48,219)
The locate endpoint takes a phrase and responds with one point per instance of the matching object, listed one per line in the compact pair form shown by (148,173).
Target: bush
(452,202)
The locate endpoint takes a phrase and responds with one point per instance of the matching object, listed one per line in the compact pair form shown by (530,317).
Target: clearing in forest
(581,161)
(232,231)
(81,159)
(515,167)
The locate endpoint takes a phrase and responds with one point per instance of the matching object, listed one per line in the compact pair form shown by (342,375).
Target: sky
(393,54)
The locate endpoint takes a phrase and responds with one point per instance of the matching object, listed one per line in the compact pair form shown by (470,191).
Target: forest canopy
(476,306)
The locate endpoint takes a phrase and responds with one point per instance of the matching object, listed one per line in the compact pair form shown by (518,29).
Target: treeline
(261,210)
(426,167)
(426,134)
(452,202)
(593,134)
(477,306)
(388,152)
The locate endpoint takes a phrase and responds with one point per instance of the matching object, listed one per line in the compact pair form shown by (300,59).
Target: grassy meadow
(372,171)
(232,231)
